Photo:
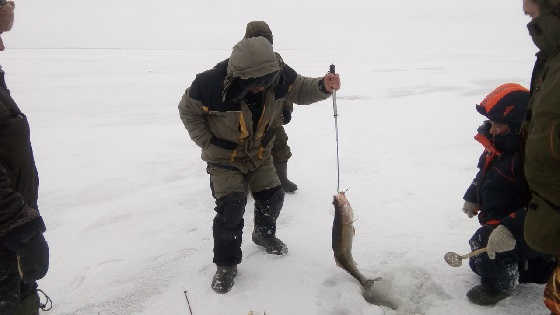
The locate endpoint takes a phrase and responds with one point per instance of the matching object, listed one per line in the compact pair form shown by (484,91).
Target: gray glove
(470,208)
(500,240)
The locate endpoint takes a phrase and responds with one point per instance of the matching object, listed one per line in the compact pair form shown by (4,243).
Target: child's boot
(483,295)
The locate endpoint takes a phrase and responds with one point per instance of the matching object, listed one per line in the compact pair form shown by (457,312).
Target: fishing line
(188,302)
(335,110)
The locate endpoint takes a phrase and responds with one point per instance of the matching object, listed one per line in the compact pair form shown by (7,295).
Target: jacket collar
(498,145)
(545,32)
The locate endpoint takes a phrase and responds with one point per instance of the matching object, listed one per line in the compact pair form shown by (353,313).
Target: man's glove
(470,208)
(287,116)
(33,258)
(500,240)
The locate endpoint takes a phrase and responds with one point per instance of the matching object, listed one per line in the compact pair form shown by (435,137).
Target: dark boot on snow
(282,172)
(482,295)
(29,305)
(272,245)
(223,279)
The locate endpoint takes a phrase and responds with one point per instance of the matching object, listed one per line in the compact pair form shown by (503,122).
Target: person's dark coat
(20,220)
(542,129)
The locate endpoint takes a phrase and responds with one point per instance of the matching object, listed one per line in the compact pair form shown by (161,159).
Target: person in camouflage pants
(231,112)
(281,152)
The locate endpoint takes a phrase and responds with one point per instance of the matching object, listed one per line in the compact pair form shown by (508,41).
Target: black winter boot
(265,238)
(29,305)
(282,172)
(482,295)
(223,279)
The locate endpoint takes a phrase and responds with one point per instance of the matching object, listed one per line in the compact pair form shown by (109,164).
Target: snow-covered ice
(125,195)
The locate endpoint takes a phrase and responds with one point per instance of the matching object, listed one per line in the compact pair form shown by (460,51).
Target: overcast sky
(170,24)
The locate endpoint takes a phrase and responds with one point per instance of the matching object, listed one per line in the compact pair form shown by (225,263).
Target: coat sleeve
(305,91)
(471,195)
(18,221)
(195,118)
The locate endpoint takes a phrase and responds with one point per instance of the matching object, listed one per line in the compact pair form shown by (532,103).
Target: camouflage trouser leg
(552,292)
(16,297)
(229,188)
(225,180)
(281,151)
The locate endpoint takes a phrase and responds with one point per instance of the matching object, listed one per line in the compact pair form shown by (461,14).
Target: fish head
(339,199)
(342,207)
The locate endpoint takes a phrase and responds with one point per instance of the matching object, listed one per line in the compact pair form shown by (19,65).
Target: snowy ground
(126,197)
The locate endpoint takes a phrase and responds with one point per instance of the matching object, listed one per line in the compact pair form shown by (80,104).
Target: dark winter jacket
(542,148)
(542,129)
(239,134)
(499,187)
(19,182)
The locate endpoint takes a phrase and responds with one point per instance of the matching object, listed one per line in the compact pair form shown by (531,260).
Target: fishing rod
(335,110)
(188,302)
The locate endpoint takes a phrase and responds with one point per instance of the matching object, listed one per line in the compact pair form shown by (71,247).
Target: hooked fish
(342,236)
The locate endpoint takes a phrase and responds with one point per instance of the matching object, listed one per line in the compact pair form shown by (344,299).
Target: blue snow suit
(502,193)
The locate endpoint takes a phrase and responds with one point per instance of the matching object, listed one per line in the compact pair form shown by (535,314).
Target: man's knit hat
(258,28)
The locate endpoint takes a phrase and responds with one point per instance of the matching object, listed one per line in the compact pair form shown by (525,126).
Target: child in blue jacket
(499,195)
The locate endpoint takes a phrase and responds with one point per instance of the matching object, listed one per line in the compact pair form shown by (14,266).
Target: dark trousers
(500,274)
(228,229)
(16,297)
(229,188)
(520,265)
(228,222)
